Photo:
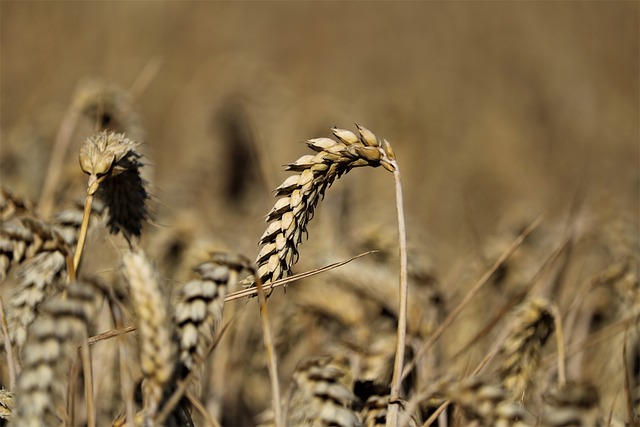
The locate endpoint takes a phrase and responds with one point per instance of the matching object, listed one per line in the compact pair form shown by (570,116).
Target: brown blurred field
(498,111)
(489,105)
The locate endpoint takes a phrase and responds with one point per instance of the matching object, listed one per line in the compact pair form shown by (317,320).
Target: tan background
(498,111)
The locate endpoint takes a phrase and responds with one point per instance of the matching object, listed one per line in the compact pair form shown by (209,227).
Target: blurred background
(489,105)
(498,112)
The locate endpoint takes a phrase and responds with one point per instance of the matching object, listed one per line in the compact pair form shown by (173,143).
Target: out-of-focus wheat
(522,350)
(158,349)
(322,393)
(53,340)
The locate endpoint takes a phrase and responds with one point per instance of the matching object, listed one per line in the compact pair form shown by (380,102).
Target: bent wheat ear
(53,339)
(113,166)
(112,163)
(157,347)
(300,194)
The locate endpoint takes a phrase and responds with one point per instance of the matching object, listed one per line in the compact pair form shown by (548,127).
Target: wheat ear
(112,163)
(522,349)
(570,404)
(53,339)
(198,313)
(484,402)
(157,347)
(300,193)
(322,393)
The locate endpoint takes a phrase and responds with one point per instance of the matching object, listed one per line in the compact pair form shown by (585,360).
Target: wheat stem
(85,354)
(393,411)
(437,413)
(271,354)
(82,236)
(126,384)
(557,318)
(627,383)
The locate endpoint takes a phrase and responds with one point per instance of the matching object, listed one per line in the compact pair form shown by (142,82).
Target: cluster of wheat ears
(141,348)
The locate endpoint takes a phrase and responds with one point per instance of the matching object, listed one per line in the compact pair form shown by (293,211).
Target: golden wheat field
(319,213)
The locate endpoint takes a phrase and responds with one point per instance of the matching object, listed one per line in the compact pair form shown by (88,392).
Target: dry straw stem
(52,345)
(155,328)
(267,336)
(250,292)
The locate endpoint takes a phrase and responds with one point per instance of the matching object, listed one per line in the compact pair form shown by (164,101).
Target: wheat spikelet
(573,404)
(157,346)
(322,394)
(113,166)
(53,338)
(300,194)
(522,350)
